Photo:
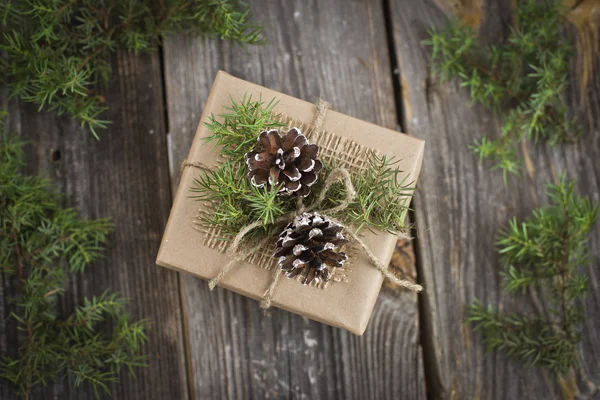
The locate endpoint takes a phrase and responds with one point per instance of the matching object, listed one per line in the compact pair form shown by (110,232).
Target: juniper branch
(41,244)
(382,196)
(57,52)
(526,77)
(548,249)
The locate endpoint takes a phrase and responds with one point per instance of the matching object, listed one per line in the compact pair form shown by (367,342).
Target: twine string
(336,175)
(196,164)
(236,256)
(267,298)
(384,269)
(322,107)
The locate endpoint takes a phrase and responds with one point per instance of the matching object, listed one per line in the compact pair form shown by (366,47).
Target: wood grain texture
(124,175)
(461,205)
(336,50)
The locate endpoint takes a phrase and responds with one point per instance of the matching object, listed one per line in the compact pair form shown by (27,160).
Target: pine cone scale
(263,141)
(294,186)
(274,176)
(265,156)
(294,139)
(308,179)
(256,163)
(309,151)
(259,177)
(293,173)
(274,141)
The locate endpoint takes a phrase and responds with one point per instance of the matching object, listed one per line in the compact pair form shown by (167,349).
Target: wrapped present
(333,287)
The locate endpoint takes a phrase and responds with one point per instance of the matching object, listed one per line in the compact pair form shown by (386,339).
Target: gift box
(346,300)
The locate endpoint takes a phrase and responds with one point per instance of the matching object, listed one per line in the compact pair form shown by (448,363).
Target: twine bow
(336,175)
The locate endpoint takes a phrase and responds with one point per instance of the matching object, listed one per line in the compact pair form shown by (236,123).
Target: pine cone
(306,246)
(288,161)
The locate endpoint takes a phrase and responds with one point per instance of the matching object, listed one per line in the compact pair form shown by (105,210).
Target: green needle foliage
(546,250)
(41,244)
(57,51)
(235,202)
(526,77)
(381,197)
(242,121)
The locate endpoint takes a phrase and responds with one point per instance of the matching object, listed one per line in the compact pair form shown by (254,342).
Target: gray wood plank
(461,206)
(336,50)
(124,175)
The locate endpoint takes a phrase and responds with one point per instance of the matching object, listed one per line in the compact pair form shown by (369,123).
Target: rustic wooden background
(366,58)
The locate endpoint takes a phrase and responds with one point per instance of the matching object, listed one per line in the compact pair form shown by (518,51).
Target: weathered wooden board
(462,204)
(124,175)
(336,50)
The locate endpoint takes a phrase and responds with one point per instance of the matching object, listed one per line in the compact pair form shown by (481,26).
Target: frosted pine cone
(307,247)
(289,162)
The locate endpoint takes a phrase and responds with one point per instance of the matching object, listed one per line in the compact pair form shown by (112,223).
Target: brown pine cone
(287,162)
(306,246)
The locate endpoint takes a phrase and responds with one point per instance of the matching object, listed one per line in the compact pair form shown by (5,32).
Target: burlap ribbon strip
(336,175)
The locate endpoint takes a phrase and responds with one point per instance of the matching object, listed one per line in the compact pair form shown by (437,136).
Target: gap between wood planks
(189,371)
(433,383)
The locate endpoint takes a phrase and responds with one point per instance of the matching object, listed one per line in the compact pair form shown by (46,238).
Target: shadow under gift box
(347,302)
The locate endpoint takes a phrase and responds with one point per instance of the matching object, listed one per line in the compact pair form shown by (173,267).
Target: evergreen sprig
(546,250)
(58,51)
(382,195)
(41,244)
(233,202)
(234,133)
(527,77)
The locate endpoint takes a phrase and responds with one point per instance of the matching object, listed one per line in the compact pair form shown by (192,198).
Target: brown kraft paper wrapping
(347,303)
